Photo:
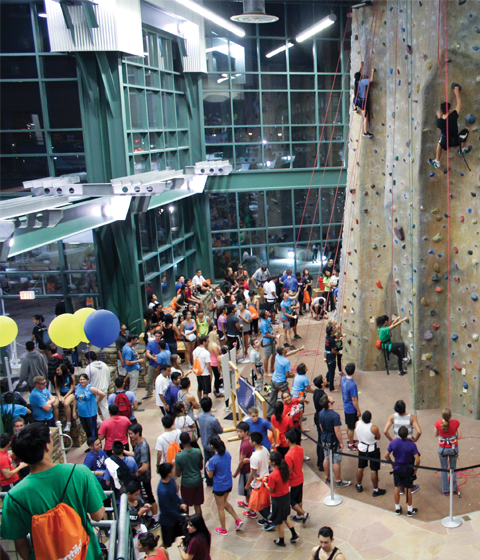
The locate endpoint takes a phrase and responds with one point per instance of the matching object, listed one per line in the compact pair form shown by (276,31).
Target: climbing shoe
(368,135)
(464,151)
(434,162)
(407,358)
(402,373)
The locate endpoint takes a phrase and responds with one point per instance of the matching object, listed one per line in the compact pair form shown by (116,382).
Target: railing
(335,499)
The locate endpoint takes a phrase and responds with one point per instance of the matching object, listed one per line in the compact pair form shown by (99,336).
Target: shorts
(296,495)
(405,481)
(271,306)
(280,509)
(192,496)
(170,533)
(204,383)
(351,420)
(286,325)
(337,459)
(242,482)
(269,349)
(294,322)
(454,141)
(122,371)
(364,456)
(146,491)
(231,340)
(222,492)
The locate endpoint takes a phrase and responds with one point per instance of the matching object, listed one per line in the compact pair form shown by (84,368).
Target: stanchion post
(451,522)
(332,500)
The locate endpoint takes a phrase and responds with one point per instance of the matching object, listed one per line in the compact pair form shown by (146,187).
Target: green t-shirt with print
(40,492)
(189,462)
(384,335)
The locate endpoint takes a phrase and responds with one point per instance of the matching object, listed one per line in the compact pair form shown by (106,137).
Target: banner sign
(245,394)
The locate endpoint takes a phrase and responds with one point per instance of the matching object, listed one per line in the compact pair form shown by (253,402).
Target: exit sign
(29,294)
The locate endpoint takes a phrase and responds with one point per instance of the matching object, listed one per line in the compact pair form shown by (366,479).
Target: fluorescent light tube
(279,50)
(207,14)
(316,28)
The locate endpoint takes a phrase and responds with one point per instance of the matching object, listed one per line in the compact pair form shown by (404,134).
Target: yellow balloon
(81,315)
(8,330)
(66,331)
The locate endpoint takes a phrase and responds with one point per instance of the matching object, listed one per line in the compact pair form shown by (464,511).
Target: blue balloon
(102,328)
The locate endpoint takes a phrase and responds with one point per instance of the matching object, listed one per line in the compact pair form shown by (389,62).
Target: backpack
(253,311)
(197,367)
(124,474)
(59,532)
(124,405)
(172,451)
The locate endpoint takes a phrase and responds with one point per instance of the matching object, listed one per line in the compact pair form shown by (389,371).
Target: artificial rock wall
(411,232)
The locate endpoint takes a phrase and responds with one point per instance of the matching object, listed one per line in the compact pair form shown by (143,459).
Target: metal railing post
(451,522)
(123,529)
(333,499)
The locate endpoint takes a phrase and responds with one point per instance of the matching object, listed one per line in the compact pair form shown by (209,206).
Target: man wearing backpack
(171,394)
(168,443)
(121,469)
(113,429)
(74,488)
(126,400)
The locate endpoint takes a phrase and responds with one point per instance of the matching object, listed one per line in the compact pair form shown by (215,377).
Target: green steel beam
(110,87)
(167,197)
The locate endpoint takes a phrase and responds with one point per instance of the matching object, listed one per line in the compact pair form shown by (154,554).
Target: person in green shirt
(397,348)
(42,490)
(189,465)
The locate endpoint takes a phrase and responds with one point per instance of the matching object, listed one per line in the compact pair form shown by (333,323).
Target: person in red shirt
(282,424)
(243,468)
(8,475)
(294,460)
(277,485)
(113,429)
(448,433)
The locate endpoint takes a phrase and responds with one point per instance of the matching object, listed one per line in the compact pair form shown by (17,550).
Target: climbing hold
(455,249)
(465,385)
(435,326)
(474,297)
(435,278)
(475,336)
(379,284)
(432,312)
(424,302)
(435,211)
(454,336)
(428,356)
(454,85)
(414,292)
(374,246)
(471,118)
(399,232)
(378,344)
(439,290)
(477,29)
(461,2)
(457,365)
(437,238)
(462,218)
(428,335)
(436,267)
(429,64)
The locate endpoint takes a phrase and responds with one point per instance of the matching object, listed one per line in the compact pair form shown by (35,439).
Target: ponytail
(218,445)
(446,415)
(278,411)
(279,462)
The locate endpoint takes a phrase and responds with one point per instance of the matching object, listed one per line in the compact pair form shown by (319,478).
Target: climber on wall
(455,138)
(397,348)
(361,99)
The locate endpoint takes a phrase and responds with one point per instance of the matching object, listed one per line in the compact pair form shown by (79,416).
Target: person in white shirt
(258,470)
(199,281)
(161,383)
(204,381)
(170,435)
(270,291)
(99,377)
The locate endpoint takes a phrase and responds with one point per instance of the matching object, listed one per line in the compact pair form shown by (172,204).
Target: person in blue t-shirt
(95,460)
(262,426)
(280,375)
(287,319)
(268,342)
(361,98)
(219,468)
(133,364)
(42,402)
(164,356)
(10,407)
(350,403)
(152,350)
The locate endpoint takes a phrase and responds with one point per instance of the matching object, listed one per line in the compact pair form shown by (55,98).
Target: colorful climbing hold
(471,118)
(439,290)
(428,335)
(424,302)
(379,284)
(435,326)
(474,297)
(457,365)
(437,238)
(454,336)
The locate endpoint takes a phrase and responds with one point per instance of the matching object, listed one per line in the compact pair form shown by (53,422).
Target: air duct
(254,12)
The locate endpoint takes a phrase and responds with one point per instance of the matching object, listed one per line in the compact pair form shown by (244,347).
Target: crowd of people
(190,452)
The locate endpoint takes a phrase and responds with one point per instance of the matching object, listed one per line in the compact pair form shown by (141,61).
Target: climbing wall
(411,232)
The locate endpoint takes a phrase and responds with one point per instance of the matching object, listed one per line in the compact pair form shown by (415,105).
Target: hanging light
(316,28)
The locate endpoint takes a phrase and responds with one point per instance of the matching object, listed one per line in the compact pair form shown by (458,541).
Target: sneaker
(402,373)
(297,518)
(292,347)
(352,447)
(269,527)
(280,543)
(147,396)
(464,151)
(368,135)
(407,358)
(262,522)
(306,458)
(359,488)
(242,504)
(402,491)
(250,514)
(295,538)
(68,425)
(327,480)
(154,525)
(305,518)
(140,410)
(342,483)
(211,410)
(227,408)
(238,524)
(415,488)
(221,531)
(398,511)
(286,345)
(379,492)
(434,163)
(297,336)
(412,512)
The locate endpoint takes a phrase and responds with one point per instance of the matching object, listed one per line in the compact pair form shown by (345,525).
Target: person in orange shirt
(8,475)
(294,460)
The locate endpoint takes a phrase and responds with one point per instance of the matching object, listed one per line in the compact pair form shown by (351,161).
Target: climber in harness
(397,348)
(447,122)
(405,472)
(448,432)
(361,99)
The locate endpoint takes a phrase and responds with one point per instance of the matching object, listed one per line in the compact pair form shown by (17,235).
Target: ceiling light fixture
(211,16)
(316,28)
(279,50)
(42,14)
